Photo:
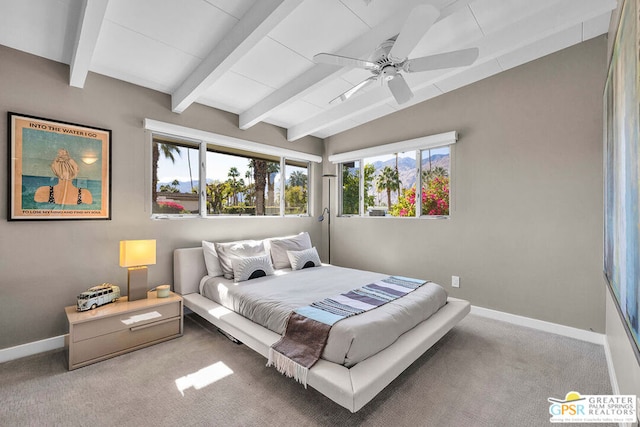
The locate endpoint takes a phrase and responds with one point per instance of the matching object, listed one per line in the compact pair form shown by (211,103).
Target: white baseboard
(615,388)
(554,328)
(612,371)
(54,343)
(24,350)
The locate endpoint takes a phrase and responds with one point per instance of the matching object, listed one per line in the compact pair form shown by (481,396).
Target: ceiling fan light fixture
(389,72)
(390,59)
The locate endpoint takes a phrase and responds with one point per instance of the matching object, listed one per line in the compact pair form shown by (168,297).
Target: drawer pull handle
(150,325)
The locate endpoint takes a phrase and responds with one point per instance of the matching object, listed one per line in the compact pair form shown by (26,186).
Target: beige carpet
(483,373)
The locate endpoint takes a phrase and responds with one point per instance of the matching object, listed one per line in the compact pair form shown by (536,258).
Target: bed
(348,381)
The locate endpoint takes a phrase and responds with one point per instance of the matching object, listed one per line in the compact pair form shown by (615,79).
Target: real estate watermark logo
(577,408)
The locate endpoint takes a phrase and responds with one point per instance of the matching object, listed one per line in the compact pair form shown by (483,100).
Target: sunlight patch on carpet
(204,377)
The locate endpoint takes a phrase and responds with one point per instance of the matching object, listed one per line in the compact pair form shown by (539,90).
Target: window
(236,183)
(350,173)
(236,180)
(391,177)
(241,184)
(436,167)
(406,179)
(174,190)
(296,190)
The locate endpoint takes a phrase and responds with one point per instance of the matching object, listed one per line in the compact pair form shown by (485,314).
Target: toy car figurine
(97,296)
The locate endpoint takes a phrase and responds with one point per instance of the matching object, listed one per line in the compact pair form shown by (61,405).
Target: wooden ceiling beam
(252,27)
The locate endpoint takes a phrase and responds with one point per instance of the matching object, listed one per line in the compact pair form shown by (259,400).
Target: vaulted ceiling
(254,58)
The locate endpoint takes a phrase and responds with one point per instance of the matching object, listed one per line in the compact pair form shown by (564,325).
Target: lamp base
(137,286)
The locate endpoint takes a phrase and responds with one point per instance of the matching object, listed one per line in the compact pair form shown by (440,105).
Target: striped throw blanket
(308,327)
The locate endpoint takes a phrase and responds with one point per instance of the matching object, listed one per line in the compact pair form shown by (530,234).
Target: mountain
(403,163)
(441,160)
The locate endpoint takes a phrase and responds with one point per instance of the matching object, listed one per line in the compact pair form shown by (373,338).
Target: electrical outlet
(455,281)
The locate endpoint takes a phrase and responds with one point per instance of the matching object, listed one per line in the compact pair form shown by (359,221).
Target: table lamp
(136,255)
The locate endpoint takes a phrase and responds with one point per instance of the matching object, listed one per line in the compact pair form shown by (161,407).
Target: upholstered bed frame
(351,387)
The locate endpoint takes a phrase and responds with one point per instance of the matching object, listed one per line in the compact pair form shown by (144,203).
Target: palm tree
(190,173)
(429,174)
(260,179)
(233,173)
(388,180)
(400,184)
(235,185)
(298,179)
(167,151)
(239,188)
(248,175)
(272,168)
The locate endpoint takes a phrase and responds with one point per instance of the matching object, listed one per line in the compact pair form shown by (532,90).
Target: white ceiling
(254,57)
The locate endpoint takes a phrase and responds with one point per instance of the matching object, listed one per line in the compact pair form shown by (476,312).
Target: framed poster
(58,170)
(622,173)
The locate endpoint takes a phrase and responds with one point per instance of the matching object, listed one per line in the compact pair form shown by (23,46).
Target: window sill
(423,217)
(181,217)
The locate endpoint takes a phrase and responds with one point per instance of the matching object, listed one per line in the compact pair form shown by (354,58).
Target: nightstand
(121,327)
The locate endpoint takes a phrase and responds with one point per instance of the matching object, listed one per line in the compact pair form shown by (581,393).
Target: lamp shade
(134,253)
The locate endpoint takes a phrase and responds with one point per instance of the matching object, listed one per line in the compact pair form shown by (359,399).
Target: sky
(217,166)
(384,158)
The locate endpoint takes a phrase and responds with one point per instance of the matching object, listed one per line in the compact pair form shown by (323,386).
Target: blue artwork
(622,173)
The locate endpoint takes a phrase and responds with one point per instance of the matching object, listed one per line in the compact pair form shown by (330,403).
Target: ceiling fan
(390,59)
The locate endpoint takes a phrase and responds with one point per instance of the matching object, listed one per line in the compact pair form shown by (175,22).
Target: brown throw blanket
(302,343)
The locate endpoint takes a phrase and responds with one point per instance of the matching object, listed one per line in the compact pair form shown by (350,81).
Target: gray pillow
(280,246)
(240,249)
(304,259)
(251,267)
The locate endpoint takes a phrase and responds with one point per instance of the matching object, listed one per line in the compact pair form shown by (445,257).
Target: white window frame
(203,139)
(419,145)
(283,186)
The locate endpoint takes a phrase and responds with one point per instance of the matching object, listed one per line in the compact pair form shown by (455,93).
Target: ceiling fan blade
(457,58)
(420,19)
(400,89)
(348,94)
(343,61)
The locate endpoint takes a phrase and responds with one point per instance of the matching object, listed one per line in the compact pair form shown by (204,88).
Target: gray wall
(44,265)
(623,360)
(525,233)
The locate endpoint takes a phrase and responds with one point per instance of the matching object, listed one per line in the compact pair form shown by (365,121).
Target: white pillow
(211,259)
(280,246)
(304,259)
(251,267)
(240,249)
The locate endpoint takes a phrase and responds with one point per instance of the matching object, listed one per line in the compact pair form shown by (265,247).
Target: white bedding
(269,300)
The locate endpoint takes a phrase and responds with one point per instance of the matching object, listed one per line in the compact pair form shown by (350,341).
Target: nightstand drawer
(133,336)
(125,321)
(121,327)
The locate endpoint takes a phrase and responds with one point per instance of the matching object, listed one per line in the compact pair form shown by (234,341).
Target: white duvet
(269,300)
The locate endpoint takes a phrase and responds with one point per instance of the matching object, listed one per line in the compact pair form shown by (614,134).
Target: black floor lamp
(327,210)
